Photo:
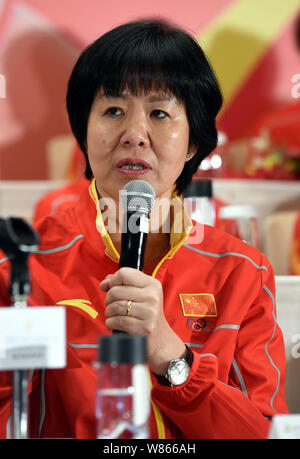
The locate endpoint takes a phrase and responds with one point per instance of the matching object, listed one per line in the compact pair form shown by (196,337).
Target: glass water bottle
(123,391)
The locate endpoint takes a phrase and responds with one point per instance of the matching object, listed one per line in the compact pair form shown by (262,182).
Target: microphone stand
(20,377)
(18,240)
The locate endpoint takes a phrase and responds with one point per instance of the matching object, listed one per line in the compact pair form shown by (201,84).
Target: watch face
(178,372)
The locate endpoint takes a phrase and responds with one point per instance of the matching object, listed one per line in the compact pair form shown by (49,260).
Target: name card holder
(285,426)
(32,338)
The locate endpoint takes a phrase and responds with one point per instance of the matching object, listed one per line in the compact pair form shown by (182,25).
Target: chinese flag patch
(198,304)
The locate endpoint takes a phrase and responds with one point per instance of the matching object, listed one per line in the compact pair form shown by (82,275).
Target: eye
(159,114)
(114,112)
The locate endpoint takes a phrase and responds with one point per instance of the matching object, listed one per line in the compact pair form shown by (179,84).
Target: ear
(192,150)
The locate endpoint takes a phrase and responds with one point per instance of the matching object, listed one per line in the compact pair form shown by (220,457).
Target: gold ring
(129,303)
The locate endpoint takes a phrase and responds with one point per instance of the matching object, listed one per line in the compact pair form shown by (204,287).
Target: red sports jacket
(218,297)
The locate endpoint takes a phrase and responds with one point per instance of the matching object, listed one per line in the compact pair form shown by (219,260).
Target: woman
(142,102)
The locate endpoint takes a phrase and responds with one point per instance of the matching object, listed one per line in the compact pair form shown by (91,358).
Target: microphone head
(138,195)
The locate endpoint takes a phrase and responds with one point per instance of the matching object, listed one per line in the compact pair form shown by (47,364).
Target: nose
(135,133)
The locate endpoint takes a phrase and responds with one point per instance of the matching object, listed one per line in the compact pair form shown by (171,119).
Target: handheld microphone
(138,199)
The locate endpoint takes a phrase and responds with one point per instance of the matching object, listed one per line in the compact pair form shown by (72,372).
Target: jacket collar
(180,227)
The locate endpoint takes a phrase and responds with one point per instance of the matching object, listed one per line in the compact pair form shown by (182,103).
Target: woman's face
(142,137)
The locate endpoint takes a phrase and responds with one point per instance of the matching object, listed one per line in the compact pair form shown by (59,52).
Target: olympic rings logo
(199,324)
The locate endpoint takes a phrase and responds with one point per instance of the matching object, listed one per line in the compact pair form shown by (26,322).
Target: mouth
(136,165)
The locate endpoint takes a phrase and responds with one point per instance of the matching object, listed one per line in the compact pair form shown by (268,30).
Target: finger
(105,283)
(123,308)
(125,293)
(129,276)
(125,323)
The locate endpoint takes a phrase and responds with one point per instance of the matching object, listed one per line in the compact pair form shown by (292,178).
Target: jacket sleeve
(241,407)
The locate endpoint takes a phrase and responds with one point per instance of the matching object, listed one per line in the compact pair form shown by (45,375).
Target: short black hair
(141,56)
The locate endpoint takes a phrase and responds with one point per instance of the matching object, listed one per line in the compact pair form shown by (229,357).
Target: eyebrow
(156,98)
(163,98)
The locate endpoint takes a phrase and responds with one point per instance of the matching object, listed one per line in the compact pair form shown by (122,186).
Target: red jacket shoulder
(214,241)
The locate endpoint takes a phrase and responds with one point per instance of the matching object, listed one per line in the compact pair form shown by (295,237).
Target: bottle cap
(122,348)
(199,188)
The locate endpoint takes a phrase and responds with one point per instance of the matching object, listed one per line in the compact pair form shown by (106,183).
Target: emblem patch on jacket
(80,304)
(198,304)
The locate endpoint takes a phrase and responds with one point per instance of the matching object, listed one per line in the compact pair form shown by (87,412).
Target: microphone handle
(133,242)
(133,255)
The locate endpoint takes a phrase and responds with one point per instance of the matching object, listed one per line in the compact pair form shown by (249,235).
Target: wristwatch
(178,370)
